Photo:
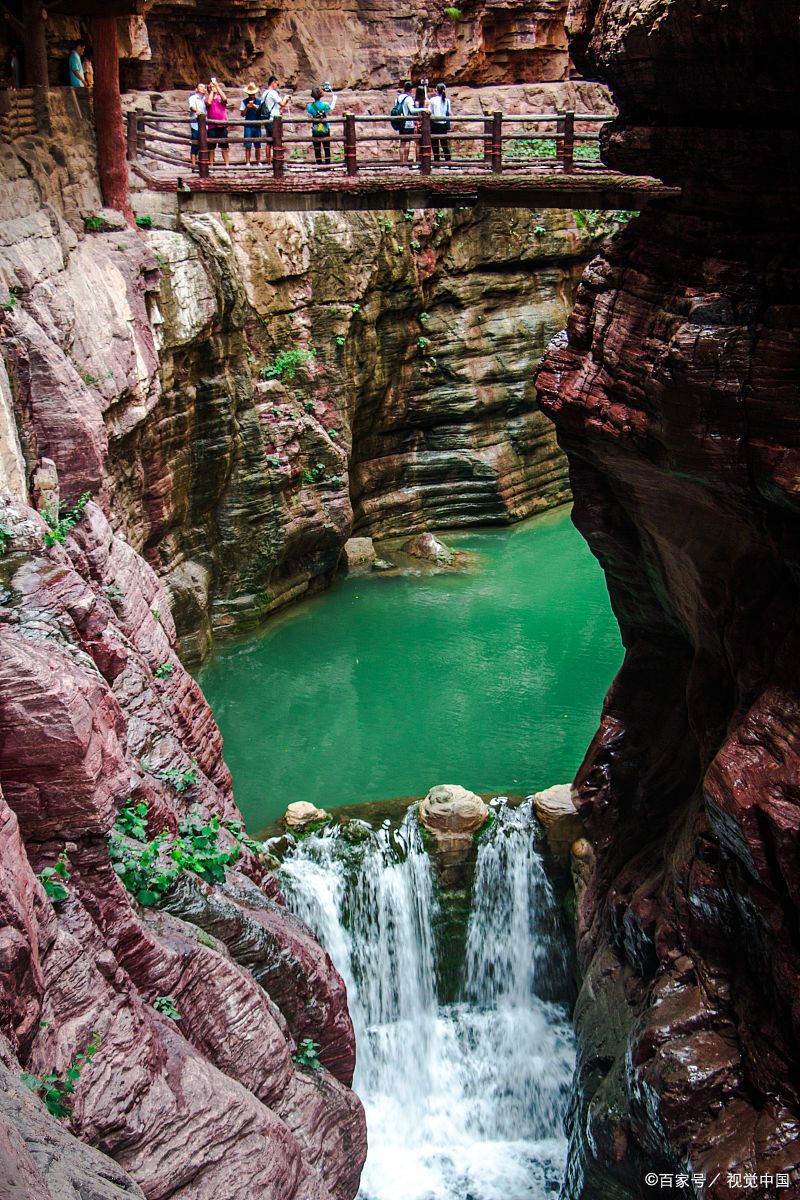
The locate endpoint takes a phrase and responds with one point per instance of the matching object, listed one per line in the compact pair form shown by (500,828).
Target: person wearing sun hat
(250,109)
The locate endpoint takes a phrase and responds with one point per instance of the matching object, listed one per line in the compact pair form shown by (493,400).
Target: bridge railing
(357,143)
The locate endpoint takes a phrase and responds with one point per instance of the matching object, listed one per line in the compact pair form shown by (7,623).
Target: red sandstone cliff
(675,395)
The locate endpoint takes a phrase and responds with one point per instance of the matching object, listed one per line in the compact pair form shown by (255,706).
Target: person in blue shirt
(318,110)
(76,75)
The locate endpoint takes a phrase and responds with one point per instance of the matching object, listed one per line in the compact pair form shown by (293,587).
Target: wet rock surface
(672,395)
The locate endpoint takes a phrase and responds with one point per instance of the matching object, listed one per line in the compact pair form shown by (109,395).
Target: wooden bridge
(546,160)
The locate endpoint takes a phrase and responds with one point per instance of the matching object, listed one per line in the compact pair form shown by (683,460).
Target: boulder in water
(428,547)
(358,553)
(558,815)
(301,814)
(451,810)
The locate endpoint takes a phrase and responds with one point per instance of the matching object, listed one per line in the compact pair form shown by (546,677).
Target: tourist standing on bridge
(77,78)
(440,123)
(318,110)
(250,109)
(402,119)
(272,106)
(197,108)
(218,121)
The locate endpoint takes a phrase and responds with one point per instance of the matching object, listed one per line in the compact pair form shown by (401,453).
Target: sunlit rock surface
(674,393)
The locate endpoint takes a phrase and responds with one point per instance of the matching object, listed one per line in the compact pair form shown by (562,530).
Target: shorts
(218,135)
(195,139)
(252,133)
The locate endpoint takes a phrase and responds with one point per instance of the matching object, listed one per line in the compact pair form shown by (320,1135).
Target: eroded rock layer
(675,395)
(244,393)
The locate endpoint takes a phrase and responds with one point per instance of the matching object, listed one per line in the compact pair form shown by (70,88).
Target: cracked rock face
(674,393)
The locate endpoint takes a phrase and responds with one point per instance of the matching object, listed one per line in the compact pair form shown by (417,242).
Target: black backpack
(264,111)
(398,111)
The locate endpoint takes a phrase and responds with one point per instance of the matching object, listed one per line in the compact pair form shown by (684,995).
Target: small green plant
(164,670)
(205,939)
(276,412)
(453,13)
(414,244)
(93,224)
(388,225)
(54,879)
(180,781)
(356,308)
(624,215)
(6,538)
(423,343)
(167,1007)
(196,848)
(237,829)
(409,214)
(67,519)
(314,474)
(340,340)
(156,614)
(333,433)
(539,230)
(10,304)
(287,363)
(273,460)
(307,1054)
(144,222)
(113,593)
(439,217)
(162,262)
(309,406)
(57,1090)
(143,870)
(132,820)
(424,317)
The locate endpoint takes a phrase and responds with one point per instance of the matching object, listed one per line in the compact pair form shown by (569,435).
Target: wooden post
(566,129)
(497,141)
(350,154)
(203,157)
(34,39)
(487,140)
(131,135)
(108,124)
(425,144)
(278,150)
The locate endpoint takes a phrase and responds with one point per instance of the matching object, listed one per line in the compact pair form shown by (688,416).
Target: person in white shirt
(439,105)
(197,108)
(273,105)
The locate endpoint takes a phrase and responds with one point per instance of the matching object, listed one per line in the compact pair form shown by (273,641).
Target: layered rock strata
(96,712)
(674,392)
(353,44)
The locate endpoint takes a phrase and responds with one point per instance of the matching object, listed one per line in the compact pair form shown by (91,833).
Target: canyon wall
(675,394)
(237,396)
(353,43)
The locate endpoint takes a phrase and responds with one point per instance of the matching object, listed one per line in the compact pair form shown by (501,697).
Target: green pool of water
(389,684)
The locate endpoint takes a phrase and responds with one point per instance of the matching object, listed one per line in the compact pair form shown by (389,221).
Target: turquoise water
(388,684)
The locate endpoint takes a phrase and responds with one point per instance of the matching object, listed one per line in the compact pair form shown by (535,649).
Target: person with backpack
(272,106)
(197,108)
(402,119)
(318,110)
(440,123)
(250,109)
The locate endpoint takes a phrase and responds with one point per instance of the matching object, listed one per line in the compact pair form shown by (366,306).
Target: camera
(326,87)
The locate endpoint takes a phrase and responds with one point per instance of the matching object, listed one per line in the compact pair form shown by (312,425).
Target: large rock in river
(451,809)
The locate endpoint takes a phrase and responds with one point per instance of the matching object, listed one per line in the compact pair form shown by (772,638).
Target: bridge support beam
(34,38)
(111,150)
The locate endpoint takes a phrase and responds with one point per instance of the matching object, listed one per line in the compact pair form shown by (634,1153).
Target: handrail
(502,144)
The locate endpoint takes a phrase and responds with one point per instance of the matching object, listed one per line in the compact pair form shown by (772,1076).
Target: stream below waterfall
(464,1081)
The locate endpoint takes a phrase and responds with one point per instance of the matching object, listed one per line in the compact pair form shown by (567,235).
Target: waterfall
(464,1101)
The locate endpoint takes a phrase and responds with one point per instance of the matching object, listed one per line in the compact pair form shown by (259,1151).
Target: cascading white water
(464,1101)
